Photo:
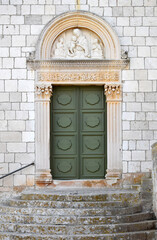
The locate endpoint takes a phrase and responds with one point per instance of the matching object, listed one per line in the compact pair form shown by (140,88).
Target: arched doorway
(78,49)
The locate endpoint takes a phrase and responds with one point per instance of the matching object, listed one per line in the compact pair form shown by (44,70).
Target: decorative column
(114,162)
(42,104)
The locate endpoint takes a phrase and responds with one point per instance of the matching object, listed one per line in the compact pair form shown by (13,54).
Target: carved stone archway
(74,70)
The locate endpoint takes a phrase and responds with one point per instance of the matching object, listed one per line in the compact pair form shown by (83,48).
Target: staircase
(77,214)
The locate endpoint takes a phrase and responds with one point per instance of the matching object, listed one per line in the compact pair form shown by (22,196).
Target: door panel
(78,133)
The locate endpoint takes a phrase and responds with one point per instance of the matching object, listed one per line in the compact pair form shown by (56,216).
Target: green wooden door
(78,133)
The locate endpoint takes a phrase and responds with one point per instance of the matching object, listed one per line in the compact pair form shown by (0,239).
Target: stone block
(1,115)
(8,181)
(7,10)
(28,137)
(143,145)
(142,31)
(15,97)
(16,125)
(19,73)
(129,31)
(138,11)
(10,137)
(5,41)
(127,75)
(146,166)
(14,166)
(97,10)
(122,21)
(153,31)
(5,106)
(17,20)
(151,97)
(19,180)
(26,86)
(132,52)
(137,63)
(144,51)
(148,107)
(18,41)
(24,158)
(112,3)
(25,9)
(35,30)
(137,3)
(133,107)
(33,19)
(153,125)
(150,21)
(27,106)
(138,41)
(145,86)
(4,97)
(107,11)
(125,145)
(104,3)
(30,97)
(3,168)
(128,116)
(4,52)
(5,74)
(117,11)
(28,2)
(140,74)
(124,3)
(135,21)
(126,125)
(9,115)
(139,125)
(132,145)
(61,9)
(127,11)
(74,2)
(10,85)
(126,155)
(134,167)
(3,125)
(16,147)
(30,125)
(128,97)
(15,52)
(131,135)
(32,41)
(130,86)
(2,157)
(30,147)
(20,62)
(9,157)
(30,180)
(149,11)
(138,155)
(4,19)
(37,9)
(8,62)
(22,115)
(148,135)
(140,116)
(150,3)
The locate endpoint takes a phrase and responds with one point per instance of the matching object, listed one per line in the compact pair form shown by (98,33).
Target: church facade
(78,94)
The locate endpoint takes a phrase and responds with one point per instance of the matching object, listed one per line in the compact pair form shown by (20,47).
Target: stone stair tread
(129,236)
(70,211)
(76,219)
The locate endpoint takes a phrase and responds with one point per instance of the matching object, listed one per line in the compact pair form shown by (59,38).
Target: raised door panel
(64,131)
(92,136)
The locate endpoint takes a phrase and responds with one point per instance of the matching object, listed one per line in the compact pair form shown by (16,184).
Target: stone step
(77,229)
(76,220)
(77,196)
(62,204)
(142,235)
(71,211)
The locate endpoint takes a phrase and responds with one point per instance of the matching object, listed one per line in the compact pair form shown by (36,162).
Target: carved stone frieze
(112,92)
(60,77)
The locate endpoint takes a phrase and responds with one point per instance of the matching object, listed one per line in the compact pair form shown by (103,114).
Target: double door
(78,133)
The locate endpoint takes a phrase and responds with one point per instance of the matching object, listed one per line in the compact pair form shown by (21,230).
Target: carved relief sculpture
(78,44)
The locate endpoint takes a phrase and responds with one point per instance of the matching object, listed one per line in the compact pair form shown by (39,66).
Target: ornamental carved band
(79,77)
(44,89)
(112,92)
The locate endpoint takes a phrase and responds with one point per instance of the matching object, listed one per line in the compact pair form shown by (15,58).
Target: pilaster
(114,162)
(42,104)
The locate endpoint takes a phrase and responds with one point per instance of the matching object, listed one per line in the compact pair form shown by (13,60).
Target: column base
(43,177)
(113,174)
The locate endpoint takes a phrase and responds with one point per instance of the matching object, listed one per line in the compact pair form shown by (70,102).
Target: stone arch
(78,19)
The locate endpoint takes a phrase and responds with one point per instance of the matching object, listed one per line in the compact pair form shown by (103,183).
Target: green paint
(78,133)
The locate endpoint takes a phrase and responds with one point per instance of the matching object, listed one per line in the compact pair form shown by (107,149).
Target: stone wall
(21,22)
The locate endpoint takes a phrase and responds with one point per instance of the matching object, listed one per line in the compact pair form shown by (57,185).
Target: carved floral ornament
(44,89)
(112,91)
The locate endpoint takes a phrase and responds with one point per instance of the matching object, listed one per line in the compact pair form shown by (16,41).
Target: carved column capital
(43,91)
(113,92)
